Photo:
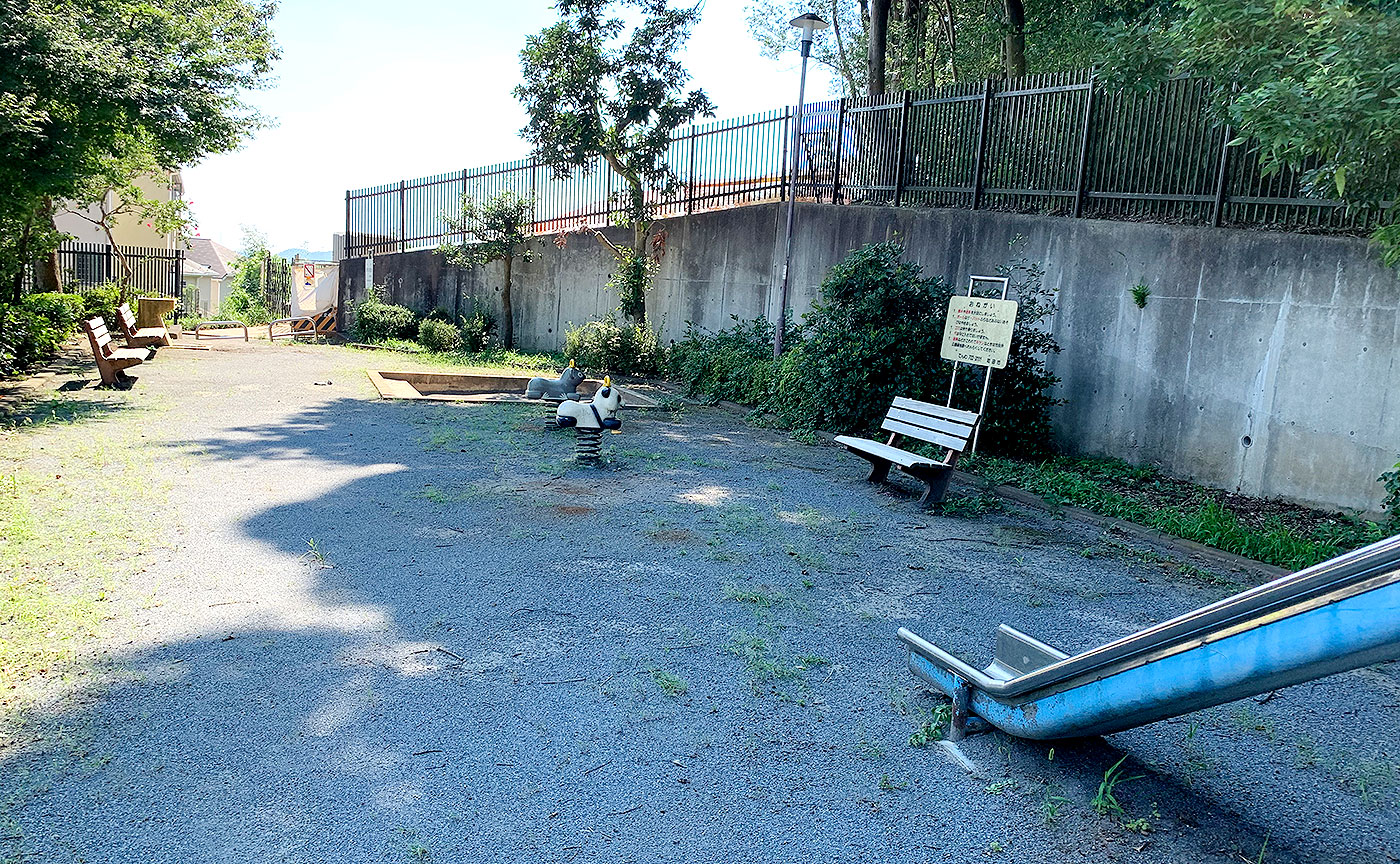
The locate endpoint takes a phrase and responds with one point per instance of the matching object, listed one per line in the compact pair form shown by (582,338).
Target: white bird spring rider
(589,419)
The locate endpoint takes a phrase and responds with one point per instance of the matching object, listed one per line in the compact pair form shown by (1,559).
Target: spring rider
(589,419)
(566,387)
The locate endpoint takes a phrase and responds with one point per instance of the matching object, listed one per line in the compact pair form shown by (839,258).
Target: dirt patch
(568,488)
(572,510)
(671,535)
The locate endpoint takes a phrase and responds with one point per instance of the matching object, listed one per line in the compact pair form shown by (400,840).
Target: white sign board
(315,287)
(978,331)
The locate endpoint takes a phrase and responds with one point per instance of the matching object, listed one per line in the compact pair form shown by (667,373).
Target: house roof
(216,257)
(194,268)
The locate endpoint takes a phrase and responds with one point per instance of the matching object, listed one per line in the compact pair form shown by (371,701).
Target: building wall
(1262,362)
(129,231)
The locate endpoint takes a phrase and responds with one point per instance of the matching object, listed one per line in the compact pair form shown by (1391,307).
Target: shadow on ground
(458,646)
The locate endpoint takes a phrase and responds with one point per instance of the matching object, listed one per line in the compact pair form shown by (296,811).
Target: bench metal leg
(879,471)
(937,480)
(962,697)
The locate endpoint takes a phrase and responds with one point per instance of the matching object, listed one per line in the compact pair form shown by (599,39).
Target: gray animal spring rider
(564,387)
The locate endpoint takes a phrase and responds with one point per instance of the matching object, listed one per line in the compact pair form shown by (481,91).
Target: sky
(369,92)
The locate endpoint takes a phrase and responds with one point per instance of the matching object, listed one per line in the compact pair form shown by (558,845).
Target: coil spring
(589,445)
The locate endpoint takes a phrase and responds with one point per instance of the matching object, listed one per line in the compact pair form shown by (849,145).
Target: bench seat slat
(929,435)
(938,424)
(902,458)
(966,417)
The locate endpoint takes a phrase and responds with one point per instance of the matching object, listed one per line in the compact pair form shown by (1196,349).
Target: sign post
(978,331)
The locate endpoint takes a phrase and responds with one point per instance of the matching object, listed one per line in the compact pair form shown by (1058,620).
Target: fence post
(1217,211)
(345,247)
(783,184)
(1084,150)
(690,176)
(403,214)
(458,208)
(903,141)
(981,145)
(107,267)
(838,146)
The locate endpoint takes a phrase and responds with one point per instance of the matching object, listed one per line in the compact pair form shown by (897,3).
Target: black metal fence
(152,272)
(277,285)
(1055,144)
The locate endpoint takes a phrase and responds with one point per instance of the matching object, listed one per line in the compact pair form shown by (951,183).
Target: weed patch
(670,683)
(1105,801)
(769,673)
(1274,532)
(67,536)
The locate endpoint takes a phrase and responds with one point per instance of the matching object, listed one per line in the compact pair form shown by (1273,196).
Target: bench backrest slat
(934,424)
(126,319)
(97,332)
(937,424)
(967,418)
(929,435)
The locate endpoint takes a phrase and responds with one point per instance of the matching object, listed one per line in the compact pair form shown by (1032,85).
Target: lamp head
(809,24)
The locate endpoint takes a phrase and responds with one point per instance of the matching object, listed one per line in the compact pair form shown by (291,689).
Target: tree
(591,94)
(246,298)
(1316,83)
(114,194)
(768,25)
(878,41)
(86,84)
(496,230)
(1313,85)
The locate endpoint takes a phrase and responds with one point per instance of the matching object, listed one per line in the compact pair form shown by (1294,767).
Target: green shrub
(734,364)
(244,304)
(620,349)
(376,320)
(477,327)
(103,301)
(876,334)
(1391,481)
(32,330)
(440,336)
(63,311)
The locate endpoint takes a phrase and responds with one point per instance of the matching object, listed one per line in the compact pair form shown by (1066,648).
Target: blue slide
(1335,616)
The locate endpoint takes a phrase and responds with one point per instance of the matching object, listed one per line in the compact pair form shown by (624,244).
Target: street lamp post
(809,24)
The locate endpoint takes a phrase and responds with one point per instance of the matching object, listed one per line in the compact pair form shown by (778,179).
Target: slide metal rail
(1337,615)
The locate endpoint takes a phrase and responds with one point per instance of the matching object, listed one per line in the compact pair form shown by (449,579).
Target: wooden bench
(139,337)
(111,361)
(945,427)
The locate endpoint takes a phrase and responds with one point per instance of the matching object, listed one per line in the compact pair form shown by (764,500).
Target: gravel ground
(396,631)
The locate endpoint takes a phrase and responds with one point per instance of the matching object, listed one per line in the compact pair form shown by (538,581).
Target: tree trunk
(46,272)
(951,32)
(507,317)
(23,257)
(1014,44)
(841,57)
(879,36)
(913,15)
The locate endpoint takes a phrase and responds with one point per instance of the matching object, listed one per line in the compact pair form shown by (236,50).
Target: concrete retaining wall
(1262,362)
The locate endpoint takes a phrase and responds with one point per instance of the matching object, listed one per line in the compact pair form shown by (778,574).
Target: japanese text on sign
(979,331)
